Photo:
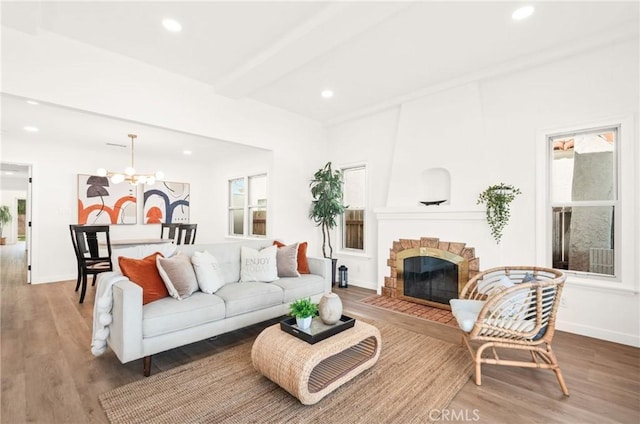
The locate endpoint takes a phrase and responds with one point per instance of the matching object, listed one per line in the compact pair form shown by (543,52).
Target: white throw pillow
(177,274)
(207,271)
(258,265)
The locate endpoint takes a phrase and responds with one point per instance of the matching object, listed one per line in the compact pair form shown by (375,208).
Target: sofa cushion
(167,315)
(241,298)
(259,266)
(144,273)
(178,275)
(298,287)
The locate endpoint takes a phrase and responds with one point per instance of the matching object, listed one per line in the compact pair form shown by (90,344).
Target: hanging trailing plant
(497,198)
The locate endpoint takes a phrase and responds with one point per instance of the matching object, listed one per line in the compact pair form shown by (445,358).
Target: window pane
(237,222)
(583,167)
(583,239)
(258,190)
(258,222)
(354,198)
(236,193)
(354,190)
(353,225)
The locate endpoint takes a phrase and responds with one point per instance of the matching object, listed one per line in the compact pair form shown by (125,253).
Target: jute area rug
(415,378)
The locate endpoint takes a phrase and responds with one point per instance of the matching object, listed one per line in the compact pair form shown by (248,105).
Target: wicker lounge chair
(511,308)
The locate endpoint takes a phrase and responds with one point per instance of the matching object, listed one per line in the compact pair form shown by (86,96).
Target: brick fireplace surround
(460,249)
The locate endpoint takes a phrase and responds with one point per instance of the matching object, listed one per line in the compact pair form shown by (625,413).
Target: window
(584,200)
(354,214)
(248,206)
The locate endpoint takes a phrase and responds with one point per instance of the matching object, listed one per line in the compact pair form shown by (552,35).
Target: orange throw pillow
(144,272)
(303,265)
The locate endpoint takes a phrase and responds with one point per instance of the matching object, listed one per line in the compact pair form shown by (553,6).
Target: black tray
(318,330)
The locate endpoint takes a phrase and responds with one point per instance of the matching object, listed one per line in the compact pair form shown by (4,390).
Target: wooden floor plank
(50,376)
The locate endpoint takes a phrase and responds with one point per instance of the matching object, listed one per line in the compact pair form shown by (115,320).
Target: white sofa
(138,331)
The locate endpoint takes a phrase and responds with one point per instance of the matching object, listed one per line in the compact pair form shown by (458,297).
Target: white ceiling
(369,53)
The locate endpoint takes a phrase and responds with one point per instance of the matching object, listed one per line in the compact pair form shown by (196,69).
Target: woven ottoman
(311,371)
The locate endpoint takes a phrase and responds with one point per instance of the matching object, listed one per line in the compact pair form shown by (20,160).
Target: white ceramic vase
(330,308)
(303,323)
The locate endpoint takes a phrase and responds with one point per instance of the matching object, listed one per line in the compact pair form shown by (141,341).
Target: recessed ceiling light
(171,25)
(327,94)
(30,128)
(187,152)
(32,102)
(522,13)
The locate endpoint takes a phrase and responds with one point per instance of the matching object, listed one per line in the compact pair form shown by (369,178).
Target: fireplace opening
(430,279)
(430,276)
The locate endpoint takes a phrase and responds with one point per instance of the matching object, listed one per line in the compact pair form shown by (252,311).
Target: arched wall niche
(436,185)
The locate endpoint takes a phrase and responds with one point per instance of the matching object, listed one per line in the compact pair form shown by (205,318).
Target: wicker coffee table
(310,372)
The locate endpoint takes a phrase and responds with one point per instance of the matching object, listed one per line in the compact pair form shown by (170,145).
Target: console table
(310,372)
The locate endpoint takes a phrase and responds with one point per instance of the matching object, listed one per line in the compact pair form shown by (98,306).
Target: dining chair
(91,243)
(172,230)
(187,233)
(72,230)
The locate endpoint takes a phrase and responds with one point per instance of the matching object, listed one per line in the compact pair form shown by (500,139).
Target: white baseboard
(364,284)
(599,333)
(54,279)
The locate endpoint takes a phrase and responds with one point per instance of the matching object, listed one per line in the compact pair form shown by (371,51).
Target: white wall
(68,73)
(369,141)
(485,132)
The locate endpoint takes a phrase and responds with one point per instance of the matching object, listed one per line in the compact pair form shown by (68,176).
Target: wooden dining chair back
(93,251)
(187,233)
(170,231)
(511,308)
(76,251)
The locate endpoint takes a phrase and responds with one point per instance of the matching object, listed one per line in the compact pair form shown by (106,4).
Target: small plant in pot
(304,310)
(5,218)
(497,198)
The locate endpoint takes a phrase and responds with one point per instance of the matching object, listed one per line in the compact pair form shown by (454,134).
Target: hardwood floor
(50,376)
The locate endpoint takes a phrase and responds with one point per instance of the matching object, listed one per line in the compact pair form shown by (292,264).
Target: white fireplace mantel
(434,213)
(465,224)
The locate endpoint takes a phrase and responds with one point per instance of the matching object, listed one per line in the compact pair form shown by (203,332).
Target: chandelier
(129,173)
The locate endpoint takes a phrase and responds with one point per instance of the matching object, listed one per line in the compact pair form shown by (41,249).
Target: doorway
(15,193)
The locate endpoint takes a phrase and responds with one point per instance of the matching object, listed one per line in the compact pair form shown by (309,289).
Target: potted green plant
(304,310)
(327,192)
(5,218)
(497,198)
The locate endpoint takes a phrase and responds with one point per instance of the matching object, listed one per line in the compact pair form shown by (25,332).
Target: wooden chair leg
(93,283)
(84,287)
(146,365)
(79,278)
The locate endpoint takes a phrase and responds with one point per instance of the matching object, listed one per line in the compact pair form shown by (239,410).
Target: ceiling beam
(325,31)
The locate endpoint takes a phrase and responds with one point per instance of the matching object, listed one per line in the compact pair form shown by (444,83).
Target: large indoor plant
(497,199)
(5,218)
(304,310)
(327,193)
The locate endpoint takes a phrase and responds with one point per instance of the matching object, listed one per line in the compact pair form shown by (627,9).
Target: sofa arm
(321,267)
(125,331)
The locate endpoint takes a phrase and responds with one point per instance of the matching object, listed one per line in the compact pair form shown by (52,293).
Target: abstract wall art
(166,203)
(100,202)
